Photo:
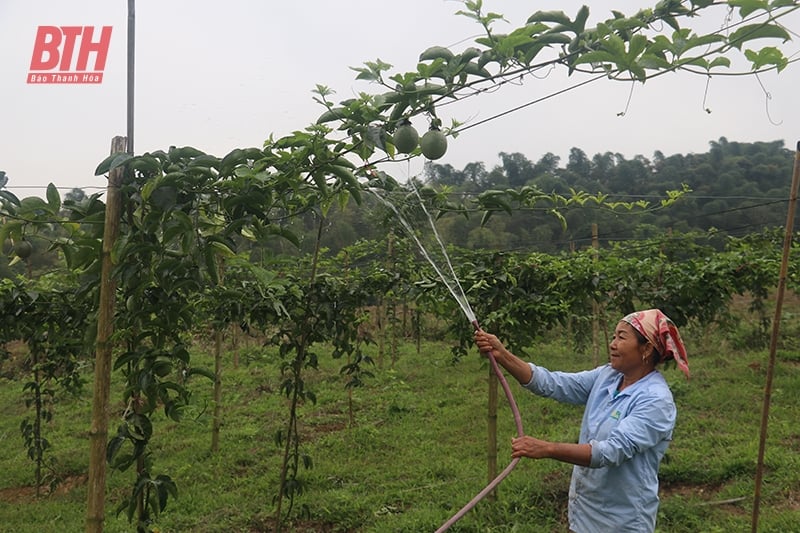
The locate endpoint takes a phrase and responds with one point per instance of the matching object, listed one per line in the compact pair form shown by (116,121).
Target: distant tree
(578,163)
(475,174)
(517,168)
(602,168)
(497,179)
(446,174)
(75,195)
(548,164)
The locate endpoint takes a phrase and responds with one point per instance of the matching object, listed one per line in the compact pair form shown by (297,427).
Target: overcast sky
(224,75)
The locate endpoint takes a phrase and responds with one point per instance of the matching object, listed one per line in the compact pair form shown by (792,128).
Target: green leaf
(672,22)
(636,46)
(746,7)
(638,72)
(550,16)
(222,248)
(508,44)
(33,205)
(286,233)
(53,198)
(210,259)
(12,227)
(702,40)
(150,186)
(614,45)
(9,197)
(767,56)
(205,161)
(698,62)
(201,372)
(653,62)
(579,24)
(185,152)
(598,56)
(719,62)
(111,162)
(334,113)
(146,164)
(436,52)
(757,31)
(165,487)
(104,165)
(173,410)
(235,158)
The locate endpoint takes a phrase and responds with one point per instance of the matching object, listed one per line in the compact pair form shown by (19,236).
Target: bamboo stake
(491,417)
(595,305)
(773,343)
(98,434)
(216,420)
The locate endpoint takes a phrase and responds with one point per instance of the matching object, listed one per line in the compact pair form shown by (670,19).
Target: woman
(626,428)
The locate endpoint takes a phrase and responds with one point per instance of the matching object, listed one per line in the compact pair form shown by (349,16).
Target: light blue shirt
(629,432)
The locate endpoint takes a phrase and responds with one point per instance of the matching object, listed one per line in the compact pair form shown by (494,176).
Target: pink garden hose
(517,420)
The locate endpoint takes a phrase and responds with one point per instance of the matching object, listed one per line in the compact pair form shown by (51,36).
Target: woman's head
(631,353)
(654,355)
(655,328)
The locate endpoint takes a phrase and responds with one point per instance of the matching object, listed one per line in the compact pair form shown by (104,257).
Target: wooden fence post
(773,343)
(98,433)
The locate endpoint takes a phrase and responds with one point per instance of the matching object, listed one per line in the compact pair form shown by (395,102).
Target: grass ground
(416,450)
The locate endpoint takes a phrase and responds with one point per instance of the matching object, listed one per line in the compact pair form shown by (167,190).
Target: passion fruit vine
(433,144)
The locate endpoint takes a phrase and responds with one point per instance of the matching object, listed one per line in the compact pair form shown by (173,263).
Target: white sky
(224,75)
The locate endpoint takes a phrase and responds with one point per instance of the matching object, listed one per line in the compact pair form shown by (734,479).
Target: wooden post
(391,303)
(216,421)
(595,305)
(98,433)
(773,343)
(491,446)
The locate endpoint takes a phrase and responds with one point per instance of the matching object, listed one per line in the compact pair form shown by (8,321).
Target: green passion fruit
(131,304)
(433,144)
(23,249)
(405,138)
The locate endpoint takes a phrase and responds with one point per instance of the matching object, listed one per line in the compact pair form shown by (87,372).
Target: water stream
(452,283)
(457,291)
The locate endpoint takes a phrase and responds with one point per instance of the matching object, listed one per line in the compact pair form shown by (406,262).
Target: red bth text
(54,58)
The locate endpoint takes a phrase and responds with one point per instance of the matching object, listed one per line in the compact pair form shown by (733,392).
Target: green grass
(417,451)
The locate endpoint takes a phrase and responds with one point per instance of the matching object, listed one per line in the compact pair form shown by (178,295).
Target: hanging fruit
(23,249)
(433,143)
(405,137)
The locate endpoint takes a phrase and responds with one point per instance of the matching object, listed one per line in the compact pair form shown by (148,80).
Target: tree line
(733,189)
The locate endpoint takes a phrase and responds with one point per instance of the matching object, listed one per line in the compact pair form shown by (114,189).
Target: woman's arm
(488,343)
(576,454)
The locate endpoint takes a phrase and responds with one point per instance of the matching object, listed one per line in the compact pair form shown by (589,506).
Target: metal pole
(131,57)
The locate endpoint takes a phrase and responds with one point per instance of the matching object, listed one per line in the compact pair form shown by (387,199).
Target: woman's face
(626,351)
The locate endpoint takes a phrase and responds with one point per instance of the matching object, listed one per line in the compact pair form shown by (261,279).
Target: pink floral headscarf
(662,333)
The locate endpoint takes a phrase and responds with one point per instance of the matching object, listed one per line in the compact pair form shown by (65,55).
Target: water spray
(457,291)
